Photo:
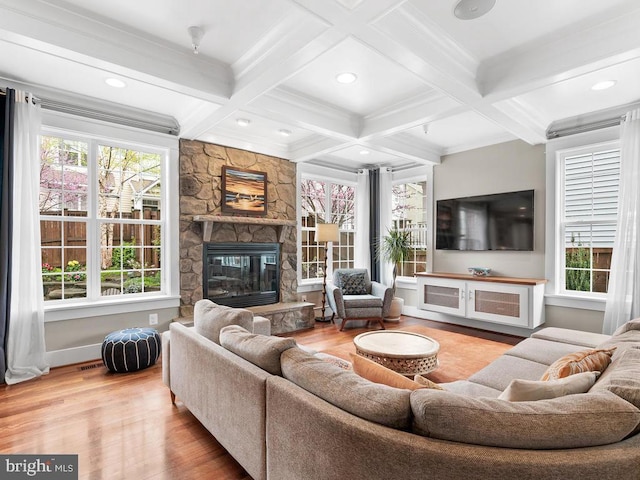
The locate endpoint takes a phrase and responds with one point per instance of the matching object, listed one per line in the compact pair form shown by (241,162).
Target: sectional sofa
(285,413)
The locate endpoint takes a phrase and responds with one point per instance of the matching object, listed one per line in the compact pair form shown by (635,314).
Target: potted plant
(395,248)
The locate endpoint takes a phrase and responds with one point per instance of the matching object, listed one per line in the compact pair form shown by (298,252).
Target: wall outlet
(153,319)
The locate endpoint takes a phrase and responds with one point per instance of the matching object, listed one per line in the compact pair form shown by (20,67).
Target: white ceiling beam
(284,105)
(302,48)
(407,147)
(315,147)
(410,113)
(545,63)
(46,28)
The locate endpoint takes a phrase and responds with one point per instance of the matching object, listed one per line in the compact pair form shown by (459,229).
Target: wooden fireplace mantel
(282,226)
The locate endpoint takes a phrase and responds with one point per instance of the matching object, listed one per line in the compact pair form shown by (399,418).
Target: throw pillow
(584,361)
(353,284)
(425,382)
(209,318)
(380,374)
(261,350)
(526,390)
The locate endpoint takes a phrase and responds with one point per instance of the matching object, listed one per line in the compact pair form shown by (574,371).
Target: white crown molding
(485,142)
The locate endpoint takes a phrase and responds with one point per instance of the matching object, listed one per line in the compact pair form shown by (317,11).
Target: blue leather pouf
(131,349)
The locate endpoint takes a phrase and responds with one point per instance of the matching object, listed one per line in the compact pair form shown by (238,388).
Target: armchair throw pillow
(353,283)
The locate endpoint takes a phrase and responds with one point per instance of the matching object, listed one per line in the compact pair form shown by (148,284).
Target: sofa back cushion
(346,390)
(622,377)
(572,421)
(261,350)
(622,341)
(630,325)
(209,318)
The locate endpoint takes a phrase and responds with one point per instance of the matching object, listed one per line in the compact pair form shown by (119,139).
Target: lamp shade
(327,232)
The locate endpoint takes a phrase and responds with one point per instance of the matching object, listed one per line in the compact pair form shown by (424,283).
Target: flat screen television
(501,221)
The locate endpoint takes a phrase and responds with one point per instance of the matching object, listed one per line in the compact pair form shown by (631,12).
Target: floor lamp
(326,233)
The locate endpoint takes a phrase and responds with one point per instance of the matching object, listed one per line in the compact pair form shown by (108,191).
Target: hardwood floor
(124,426)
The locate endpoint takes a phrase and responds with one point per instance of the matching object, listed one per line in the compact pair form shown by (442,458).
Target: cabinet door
(445,296)
(506,304)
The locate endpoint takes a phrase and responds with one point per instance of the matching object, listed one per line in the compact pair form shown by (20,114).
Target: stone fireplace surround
(201,221)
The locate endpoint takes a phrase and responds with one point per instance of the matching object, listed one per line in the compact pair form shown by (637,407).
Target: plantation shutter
(591,197)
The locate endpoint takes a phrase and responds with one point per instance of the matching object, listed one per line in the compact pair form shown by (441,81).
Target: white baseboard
(444,318)
(69,356)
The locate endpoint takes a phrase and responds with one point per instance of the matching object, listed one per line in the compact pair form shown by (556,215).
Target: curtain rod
(167,126)
(587,127)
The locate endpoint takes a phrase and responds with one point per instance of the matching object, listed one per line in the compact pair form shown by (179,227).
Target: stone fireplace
(202,222)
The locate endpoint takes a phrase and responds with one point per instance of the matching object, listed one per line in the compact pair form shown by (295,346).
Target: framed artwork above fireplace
(244,191)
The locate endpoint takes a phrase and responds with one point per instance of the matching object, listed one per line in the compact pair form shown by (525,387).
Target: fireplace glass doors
(242,274)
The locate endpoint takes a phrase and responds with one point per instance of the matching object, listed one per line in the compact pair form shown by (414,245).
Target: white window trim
(423,173)
(321,174)
(553,244)
(55,123)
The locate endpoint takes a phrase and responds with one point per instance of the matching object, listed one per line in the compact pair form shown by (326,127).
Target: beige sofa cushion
(530,390)
(630,325)
(380,374)
(623,377)
(622,342)
(584,361)
(209,318)
(573,421)
(346,390)
(263,351)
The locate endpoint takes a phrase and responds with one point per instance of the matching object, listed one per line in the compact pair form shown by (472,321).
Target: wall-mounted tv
(502,221)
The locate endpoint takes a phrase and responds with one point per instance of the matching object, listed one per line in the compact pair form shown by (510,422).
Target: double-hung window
(589,181)
(409,214)
(101,218)
(324,201)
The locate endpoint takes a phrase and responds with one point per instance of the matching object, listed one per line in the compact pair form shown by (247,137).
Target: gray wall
(81,332)
(505,167)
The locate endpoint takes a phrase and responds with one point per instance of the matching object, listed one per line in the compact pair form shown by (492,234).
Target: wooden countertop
(494,279)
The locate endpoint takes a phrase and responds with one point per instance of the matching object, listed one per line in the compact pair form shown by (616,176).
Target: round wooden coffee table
(403,352)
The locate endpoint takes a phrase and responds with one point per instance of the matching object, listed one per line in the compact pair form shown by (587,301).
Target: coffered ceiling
(428,83)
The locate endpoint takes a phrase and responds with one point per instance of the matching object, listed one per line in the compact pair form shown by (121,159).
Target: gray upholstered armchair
(353,296)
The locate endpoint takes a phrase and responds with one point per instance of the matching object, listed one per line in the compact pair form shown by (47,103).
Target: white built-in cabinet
(505,300)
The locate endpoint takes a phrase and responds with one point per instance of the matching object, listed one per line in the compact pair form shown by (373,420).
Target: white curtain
(386,220)
(623,297)
(25,342)
(362,257)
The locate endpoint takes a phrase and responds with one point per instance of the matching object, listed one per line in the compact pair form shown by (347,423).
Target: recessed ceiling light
(243,122)
(364,152)
(346,77)
(115,82)
(470,9)
(284,132)
(604,85)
